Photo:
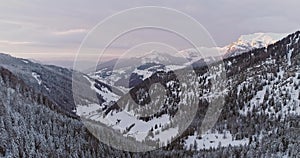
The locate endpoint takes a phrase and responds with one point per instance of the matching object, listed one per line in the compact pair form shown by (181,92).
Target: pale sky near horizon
(52,31)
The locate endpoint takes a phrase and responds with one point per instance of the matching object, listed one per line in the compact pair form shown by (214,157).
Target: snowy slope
(251,89)
(54,82)
(261,91)
(135,116)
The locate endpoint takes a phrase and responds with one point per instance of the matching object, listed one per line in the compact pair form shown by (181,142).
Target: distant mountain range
(125,73)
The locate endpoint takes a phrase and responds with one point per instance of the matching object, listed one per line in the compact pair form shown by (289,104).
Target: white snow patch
(37,77)
(289,54)
(47,88)
(174,67)
(166,135)
(107,95)
(25,61)
(140,129)
(83,111)
(229,63)
(144,73)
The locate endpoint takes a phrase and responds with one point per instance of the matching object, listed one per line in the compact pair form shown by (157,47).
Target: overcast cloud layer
(52,31)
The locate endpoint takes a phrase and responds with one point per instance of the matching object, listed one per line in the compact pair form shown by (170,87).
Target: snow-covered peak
(257,40)
(244,44)
(194,54)
(252,41)
(155,56)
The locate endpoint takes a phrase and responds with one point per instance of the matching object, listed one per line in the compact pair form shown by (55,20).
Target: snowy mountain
(52,81)
(244,44)
(252,41)
(125,73)
(262,85)
(259,118)
(32,125)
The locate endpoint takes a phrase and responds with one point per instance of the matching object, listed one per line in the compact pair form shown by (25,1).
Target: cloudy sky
(51,31)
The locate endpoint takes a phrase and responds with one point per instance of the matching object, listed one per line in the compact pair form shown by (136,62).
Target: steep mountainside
(32,126)
(261,109)
(52,81)
(262,102)
(261,112)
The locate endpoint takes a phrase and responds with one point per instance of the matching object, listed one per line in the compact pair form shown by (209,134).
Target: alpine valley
(50,111)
